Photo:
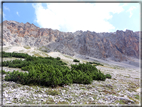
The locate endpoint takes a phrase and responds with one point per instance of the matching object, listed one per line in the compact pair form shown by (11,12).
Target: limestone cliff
(116,45)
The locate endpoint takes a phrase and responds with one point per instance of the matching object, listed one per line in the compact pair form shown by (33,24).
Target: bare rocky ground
(122,89)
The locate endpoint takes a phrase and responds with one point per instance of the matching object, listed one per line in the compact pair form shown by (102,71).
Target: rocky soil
(123,88)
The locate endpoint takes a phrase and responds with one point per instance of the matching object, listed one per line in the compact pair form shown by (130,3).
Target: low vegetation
(95,63)
(48,71)
(108,76)
(27,47)
(75,60)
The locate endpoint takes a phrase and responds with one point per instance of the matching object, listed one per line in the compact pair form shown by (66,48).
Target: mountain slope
(115,46)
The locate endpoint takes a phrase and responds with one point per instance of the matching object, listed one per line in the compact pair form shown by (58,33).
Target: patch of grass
(33,86)
(19,85)
(127,76)
(63,102)
(38,91)
(22,51)
(89,87)
(136,102)
(52,92)
(108,86)
(15,100)
(4,85)
(92,102)
(28,88)
(27,47)
(95,97)
(44,49)
(75,95)
(14,85)
(132,87)
(38,55)
(109,92)
(69,100)
(83,88)
(120,102)
(27,102)
(64,88)
(68,56)
(9,92)
(6,48)
(137,96)
(50,101)
(137,78)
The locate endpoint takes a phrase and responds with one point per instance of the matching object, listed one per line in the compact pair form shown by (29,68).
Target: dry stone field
(122,89)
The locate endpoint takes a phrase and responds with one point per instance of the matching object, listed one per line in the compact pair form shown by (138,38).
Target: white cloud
(17,13)
(71,17)
(130,10)
(3,15)
(124,29)
(6,8)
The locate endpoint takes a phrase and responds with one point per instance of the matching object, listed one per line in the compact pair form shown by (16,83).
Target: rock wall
(117,45)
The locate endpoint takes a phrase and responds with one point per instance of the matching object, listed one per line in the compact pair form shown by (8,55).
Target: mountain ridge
(114,45)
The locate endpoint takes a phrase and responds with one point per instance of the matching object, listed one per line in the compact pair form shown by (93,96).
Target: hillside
(117,51)
(117,46)
(123,88)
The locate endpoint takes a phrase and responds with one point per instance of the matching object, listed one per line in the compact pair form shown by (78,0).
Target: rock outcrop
(116,46)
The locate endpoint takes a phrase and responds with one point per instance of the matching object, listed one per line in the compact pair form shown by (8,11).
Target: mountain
(116,46)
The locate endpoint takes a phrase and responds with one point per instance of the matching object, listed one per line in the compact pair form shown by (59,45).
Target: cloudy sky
(70,17)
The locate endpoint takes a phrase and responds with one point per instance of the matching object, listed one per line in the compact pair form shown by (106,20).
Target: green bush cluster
(75,60)
(31,60)
(108,76)
(95,63)
(49,75)
(58,58)
(13,54)
(3,72)
(50,71)
(89,70)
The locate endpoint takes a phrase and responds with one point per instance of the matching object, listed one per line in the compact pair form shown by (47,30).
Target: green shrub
(4,72)
(52,92)
(108,76)
(75,60)
(27,47)
(50,71)
(58,58)
(95,63)
(90,70)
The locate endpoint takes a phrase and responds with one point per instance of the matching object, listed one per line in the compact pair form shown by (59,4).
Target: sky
(71,17)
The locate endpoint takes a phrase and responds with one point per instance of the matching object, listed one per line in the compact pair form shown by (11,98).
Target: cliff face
(115,45)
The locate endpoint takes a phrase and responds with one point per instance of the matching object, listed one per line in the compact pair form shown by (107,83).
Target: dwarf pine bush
(50,71)
(75,60)
(108,76)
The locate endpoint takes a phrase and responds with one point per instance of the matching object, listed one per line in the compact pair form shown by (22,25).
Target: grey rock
(126,99)
(114,45)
